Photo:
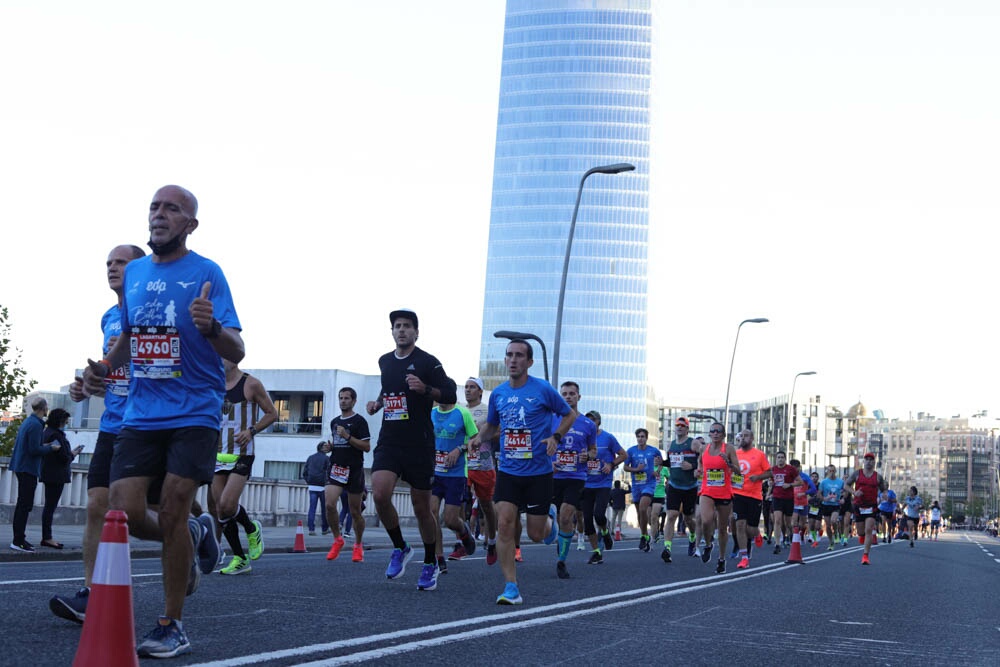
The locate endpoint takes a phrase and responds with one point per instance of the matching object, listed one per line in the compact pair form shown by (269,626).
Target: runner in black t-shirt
(411,381)
(351,439)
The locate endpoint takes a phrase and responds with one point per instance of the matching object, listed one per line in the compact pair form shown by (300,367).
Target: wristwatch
(428,389)
(216,329)
(253,431)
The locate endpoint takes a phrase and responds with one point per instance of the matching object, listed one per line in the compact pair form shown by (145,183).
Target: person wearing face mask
(178,324)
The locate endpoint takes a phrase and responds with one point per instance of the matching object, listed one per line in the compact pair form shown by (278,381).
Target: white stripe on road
(54,581)
(637,596)
(850,622)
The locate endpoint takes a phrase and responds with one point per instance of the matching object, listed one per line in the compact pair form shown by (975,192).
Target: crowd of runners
(179,413)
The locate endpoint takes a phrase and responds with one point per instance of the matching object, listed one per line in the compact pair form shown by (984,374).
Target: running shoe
(428,580)
(830,548)
(517,555)
(208,546)
(706,554)
(580,546)
(864,560)
(23,545)
(256,541)
(458,553)
(646,543)
(510,595)
(72,609)
(398,561)
(491,554)
(358,553)
(735,553)
(815,544)
(758,541)
(442,565)
(874,538)
(888,539)
(469,542)
(720,566)
(691,548)
(194,574)
(609,543)
(595,558)
(335,548)
(561,571)
(164,641)
(777,549)
(237,566)
(642,542)
(911,544)
(554,532)
(665,555)
(743,564)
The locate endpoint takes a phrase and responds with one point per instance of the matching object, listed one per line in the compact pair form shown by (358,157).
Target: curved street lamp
(791,404)
(606,169)
(755,320)
(511,335)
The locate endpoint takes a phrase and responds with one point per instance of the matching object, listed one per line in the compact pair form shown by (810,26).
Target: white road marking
(590,606)
(54,581)
(850,622)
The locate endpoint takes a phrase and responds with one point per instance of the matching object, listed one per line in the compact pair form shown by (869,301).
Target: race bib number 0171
(156,353)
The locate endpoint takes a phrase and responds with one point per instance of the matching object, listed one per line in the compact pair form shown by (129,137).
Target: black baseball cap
(404,312)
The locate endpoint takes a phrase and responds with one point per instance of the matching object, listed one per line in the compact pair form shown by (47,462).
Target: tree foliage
(14,381)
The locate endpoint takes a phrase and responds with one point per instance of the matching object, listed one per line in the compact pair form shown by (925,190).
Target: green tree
(14,381)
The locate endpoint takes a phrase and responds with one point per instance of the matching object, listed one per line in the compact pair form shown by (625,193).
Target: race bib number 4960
(156,353)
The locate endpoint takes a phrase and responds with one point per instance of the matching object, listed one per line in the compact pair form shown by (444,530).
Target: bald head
(188,201)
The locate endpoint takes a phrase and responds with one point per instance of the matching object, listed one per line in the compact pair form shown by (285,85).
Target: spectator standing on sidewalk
(315,472)
(55,470)
(26,464)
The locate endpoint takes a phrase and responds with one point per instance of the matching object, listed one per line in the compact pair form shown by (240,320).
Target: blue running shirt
(570,459)
(831,489)
(607,449)
(643,478)
(177,376)
(452,429)
(525,419)
(116,384)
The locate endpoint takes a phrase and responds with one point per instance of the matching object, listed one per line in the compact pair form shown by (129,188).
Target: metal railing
(278,502)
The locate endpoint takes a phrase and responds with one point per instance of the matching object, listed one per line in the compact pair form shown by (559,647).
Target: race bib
(813,511)
(715,477)
(865,510)
(676,460)
(594,467)
(737,481)
(566,460)
(156,353)
(517,443)
(394,408)
(640,477)
(116,383)
(779,478)
(440,461)
(339,473)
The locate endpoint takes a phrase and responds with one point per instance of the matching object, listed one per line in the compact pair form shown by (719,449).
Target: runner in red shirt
(866,485)
(782,495)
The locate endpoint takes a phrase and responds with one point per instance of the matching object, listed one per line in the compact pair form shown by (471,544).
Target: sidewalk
(277,539)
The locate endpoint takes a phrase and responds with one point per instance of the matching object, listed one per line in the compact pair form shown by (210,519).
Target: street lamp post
(606,169)
(756,320)
(791,403)
(511,335)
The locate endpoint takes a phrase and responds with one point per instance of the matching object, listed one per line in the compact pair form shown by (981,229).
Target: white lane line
(54,581)
(850,622)
(637,596)
(997,560)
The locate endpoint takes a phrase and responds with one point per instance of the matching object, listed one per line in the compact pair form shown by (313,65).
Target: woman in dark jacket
(55,470)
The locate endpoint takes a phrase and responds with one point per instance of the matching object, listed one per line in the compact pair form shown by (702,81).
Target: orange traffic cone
(300,540)
(618,534)
(108,638)
(795,555)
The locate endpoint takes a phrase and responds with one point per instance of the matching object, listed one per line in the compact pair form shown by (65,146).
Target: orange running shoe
(517,555)
(743,564)
(865,561)
(358,554)
(334,551)
(758,541)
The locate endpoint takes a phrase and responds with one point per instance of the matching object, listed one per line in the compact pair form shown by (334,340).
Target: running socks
(231,529)
(563,542)
(430,558)
(396,535)
(668,544)
(244,520)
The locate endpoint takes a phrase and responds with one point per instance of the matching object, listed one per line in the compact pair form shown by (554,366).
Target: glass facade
(574,94)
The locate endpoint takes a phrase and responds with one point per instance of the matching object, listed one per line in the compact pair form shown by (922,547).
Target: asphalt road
(934,604)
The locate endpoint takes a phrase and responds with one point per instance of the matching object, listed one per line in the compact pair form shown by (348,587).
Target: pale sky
(829,165)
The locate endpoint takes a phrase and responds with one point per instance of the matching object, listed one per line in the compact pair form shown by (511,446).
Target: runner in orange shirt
(747,497)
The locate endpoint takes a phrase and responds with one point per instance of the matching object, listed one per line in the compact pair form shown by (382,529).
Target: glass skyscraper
(574,94)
